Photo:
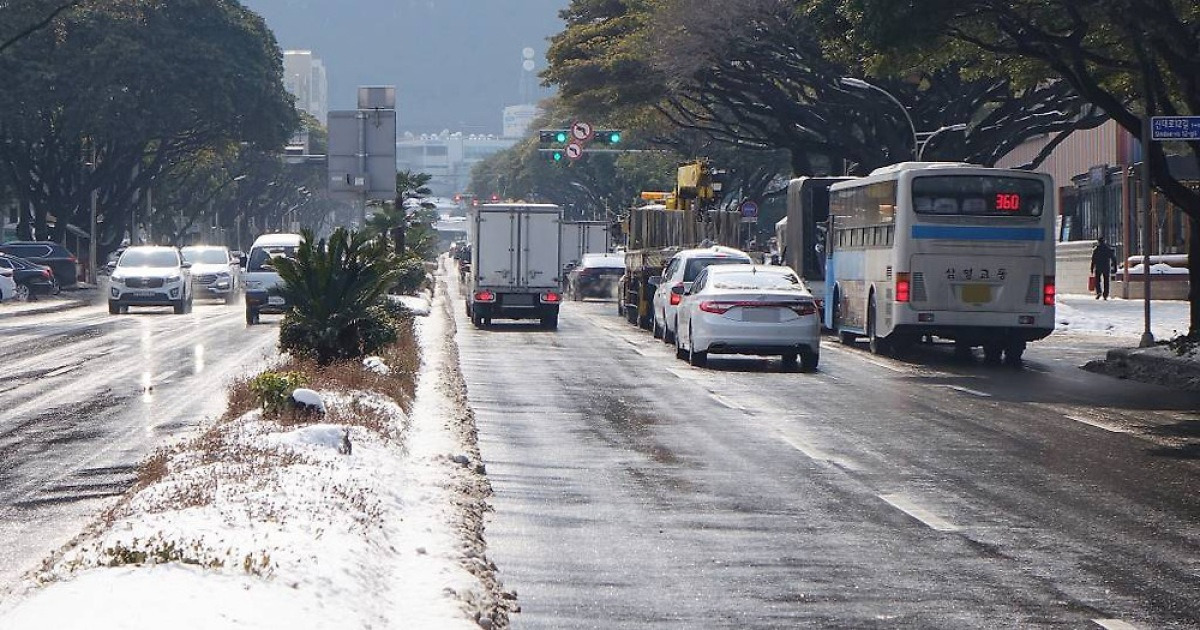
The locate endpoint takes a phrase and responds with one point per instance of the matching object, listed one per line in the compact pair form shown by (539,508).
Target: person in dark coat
(1104,264)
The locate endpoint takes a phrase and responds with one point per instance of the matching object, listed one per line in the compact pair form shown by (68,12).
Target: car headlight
(174,278)
(116,280)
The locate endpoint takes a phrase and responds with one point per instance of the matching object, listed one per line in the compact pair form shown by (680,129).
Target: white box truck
(583,237)
(515,263)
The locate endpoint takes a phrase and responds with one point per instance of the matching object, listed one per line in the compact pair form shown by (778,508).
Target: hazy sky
(455,63)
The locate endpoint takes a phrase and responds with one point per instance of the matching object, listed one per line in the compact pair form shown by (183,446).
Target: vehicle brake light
(1048,291)
(676,298)
(45,274)
(718,308)
(550,297)
(803,308)
(485,296)
(903,287)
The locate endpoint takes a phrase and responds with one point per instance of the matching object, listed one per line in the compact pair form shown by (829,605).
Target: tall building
(304,77)
(448,157)
(518,118)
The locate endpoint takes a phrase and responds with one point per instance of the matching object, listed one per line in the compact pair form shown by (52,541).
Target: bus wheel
(1013,351)
(992,352)
(877,344)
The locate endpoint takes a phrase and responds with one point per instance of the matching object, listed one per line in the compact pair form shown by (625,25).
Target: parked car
(8,286)
(62,263)
(261,277)
(749,309)
(31,279)
(215,272)
(150,276)
(596,275)
(677,277)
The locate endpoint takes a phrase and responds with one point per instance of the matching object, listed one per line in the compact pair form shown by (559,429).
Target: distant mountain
(455,63)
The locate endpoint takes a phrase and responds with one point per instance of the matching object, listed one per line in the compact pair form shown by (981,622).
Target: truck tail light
(550,297)
(485,296)
(903,287)
(1048,291)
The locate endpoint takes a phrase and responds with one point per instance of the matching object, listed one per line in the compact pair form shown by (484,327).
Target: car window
(696,265)
(671,267)
(4,263)
(757,280)
(260,256)
(205,256)
(28,251)
(700,281)
(148,258)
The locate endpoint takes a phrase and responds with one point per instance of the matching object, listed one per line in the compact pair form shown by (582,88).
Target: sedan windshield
(205,256)
(756,280)
(149,258)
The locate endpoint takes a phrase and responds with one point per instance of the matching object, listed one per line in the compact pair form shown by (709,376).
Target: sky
(455,63)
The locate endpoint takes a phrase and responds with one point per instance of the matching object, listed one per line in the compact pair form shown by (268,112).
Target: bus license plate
(976,293)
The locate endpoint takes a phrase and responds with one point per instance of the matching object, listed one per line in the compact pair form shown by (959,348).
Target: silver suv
(150,276)
(677,278)
(215,273)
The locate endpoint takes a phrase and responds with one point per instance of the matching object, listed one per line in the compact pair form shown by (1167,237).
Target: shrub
(273,389)
(334,290)
(410,276)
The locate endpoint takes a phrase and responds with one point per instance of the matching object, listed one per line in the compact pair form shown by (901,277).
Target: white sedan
(749,309)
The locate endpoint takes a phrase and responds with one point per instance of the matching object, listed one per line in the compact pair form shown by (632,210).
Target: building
(447,157)
(304,76)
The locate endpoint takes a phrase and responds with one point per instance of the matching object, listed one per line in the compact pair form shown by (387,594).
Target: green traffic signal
(558,156)
(614,137)
(561,138)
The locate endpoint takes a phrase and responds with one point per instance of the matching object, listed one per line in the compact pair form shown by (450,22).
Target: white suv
(260,277)
(677,278)
(215,273)
(150,276)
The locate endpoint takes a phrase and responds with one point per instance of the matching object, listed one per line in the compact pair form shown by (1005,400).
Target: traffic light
(556,156)
(553,136)
(608,136)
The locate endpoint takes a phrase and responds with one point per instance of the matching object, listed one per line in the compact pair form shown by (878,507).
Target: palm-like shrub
(335,292)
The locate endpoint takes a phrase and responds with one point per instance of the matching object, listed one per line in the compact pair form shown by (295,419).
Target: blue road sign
(1175,127)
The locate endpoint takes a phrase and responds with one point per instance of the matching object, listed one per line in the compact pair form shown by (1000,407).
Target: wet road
(85,396)
(634,491)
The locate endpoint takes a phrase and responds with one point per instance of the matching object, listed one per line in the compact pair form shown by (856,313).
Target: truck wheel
(992,352)
(1013,351)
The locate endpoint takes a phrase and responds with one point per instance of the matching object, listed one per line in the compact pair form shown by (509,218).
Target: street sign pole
(1147,336)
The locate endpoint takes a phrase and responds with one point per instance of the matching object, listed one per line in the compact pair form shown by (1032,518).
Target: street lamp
(863,85)
(933,134)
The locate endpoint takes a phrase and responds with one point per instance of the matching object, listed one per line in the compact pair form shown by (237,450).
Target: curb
(55,307)
(1130,364)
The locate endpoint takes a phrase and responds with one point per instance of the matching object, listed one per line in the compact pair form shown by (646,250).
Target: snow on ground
(417,304)
(1084,314)
(314,526)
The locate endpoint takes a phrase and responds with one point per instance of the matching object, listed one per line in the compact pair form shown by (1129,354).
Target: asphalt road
(635,491)
(85,396)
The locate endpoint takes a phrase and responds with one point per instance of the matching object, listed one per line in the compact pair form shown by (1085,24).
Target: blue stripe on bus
(978,233)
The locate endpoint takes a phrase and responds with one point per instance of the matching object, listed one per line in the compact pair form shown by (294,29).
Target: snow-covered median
(367,518)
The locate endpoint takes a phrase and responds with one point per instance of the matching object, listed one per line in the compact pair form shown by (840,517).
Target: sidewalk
(1124,322)
(83,295)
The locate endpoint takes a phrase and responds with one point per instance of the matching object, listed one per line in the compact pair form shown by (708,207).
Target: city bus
(801,234)
(950,251)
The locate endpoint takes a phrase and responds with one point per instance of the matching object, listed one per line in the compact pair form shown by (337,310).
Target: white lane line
(63,370)
(1114,624)
(906,505)
(725,402)
(816,454)
(1093,423)
(968,390)
(677,373)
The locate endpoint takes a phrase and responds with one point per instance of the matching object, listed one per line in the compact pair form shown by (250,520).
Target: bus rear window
(975,195)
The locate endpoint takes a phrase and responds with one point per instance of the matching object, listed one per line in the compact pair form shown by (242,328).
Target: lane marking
(968,390)
(906,505)
(677,373)
(862,357)
(1093,423)
(1114,624)
(63,370)
(725,402)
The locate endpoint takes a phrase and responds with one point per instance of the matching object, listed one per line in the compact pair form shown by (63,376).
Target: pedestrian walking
(1104,264)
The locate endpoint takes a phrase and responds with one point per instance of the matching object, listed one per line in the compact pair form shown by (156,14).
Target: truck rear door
(495,249)
(539,249)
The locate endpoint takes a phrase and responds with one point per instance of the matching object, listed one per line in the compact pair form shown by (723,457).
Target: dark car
(32,279)
(53,255)
(595,276)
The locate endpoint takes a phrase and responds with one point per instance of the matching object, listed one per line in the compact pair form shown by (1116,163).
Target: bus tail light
(903,287)
(1048,291)
(485,296)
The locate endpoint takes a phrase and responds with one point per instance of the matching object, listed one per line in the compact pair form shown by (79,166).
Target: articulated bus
(942,250)
(801,234)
